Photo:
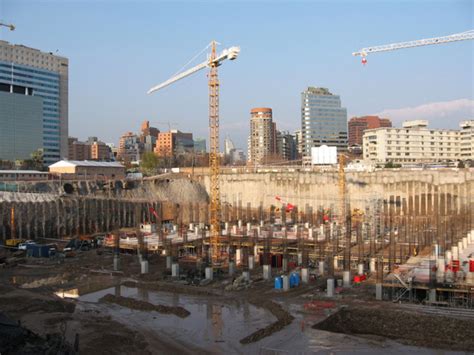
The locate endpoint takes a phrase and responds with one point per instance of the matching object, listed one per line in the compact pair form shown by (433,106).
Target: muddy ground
(28,290)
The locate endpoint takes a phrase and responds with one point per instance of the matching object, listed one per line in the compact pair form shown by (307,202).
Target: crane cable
(191,60)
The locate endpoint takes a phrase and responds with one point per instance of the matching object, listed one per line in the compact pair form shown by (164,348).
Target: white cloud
(443,114)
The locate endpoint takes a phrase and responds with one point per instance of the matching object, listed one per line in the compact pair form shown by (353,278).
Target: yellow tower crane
(214,60)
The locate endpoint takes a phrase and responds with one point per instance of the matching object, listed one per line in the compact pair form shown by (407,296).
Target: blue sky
(119,49)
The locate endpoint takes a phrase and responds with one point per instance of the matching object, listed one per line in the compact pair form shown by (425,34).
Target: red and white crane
(463,36)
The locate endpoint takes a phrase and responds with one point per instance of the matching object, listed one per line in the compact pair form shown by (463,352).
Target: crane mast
(417,43)
(213,61)
(215,207)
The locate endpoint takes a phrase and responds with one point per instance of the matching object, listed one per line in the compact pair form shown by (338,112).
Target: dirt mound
(409,328)
(15,339)
(283,319)
(144,306)
(166,287)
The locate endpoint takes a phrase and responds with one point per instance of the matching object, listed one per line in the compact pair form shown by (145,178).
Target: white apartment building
(467,140)
(414,143)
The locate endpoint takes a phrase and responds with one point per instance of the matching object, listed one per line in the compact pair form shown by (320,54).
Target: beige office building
(413,143)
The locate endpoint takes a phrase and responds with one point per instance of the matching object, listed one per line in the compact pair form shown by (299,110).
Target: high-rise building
(148,136)
(323,120)
(262,140)
(129,148)
(357,126)
(173,143)
(42,81)
(200,145)
(228,145)
(92,149)
(286,145)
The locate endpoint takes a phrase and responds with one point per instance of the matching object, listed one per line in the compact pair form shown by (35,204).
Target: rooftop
(69,163)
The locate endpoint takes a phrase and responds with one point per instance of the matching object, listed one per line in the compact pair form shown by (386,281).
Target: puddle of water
(217,326)
(213,325)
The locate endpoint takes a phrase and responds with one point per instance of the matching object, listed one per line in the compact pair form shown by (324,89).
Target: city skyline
(108,80)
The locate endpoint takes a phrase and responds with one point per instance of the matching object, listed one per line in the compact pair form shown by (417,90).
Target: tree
(149,162)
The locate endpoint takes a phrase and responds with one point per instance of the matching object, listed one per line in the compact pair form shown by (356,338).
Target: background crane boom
(421,42)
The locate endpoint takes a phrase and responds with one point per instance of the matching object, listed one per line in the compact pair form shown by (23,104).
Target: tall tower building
(262,140)
(41,79)
(323,120)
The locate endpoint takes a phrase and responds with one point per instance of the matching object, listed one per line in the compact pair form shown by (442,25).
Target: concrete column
(284,264)
(460,247)
(231,268)
(175,270)
(251,262)
(191,226)
(321,268)
(267,272)
(144,266)
(286,282)
(432,295)
(240,223)
(246,275)
(464,242)
(372,265)
(304,275)
(238,256)
(262,223)
(449,256)
(360,269)
(346,277)
(196,230)
(330,287)
(116,262)
(336,264)
(249,228)
(310,234)
(168,262)
(300,258)
(234,229)
(378,292)
(209,273)
(226,226)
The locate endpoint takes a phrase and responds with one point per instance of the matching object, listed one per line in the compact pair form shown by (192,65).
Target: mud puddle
(213,325)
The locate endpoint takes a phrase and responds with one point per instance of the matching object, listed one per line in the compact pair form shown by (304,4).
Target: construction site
(279,259)
(310,249)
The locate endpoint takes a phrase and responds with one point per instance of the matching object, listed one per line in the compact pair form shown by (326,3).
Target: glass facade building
(21,125)
(323,120)
(44,76)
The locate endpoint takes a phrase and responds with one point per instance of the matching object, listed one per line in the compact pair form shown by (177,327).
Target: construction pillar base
(175,270)
(360,269)
(251,262)
(372,265)
(231,268)
(346,279)
(144,266)
(300,259)
(432,295)
(330,287)
(168,262)
(378,292)
(321,268)
(267,272)
(284,264)
(116,263)
(286,282)
(209,273)
(304,275)
(246,275)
